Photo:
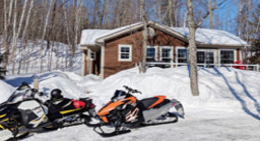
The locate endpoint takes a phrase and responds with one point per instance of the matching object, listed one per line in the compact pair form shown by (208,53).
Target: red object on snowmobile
(79,104)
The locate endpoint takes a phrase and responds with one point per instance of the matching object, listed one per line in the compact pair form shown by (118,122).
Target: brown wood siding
(112,65)
(85,62)
(238,54)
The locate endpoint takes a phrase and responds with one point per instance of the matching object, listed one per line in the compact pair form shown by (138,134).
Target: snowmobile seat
(154,102)
(148,102)
(54,107)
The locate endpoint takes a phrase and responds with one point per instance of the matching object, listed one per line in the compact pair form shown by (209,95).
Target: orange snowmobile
(125,112)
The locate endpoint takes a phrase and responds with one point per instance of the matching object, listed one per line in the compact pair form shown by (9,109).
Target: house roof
(203,36)
(212,36)
(89,36)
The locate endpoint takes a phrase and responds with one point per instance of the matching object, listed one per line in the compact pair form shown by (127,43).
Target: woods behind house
(44,23)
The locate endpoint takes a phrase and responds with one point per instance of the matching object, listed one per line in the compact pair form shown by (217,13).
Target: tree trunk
(210,7)
(143,69)
(192,50)
(14,37)
(23,36)
(170,9)
(185,19)
(7,39)
(43,36)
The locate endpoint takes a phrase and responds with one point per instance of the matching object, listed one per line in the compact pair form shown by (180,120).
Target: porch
(171,64)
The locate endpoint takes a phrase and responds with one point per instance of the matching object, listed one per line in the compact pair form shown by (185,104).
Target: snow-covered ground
(228,107)
(55,58)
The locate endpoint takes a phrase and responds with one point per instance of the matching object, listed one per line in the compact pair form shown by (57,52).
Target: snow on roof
(204,36)
(89,36)
(212,36)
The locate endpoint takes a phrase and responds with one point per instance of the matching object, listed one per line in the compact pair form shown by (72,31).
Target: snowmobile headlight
(118,98)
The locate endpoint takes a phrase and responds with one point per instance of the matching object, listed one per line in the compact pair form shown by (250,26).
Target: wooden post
(36,83)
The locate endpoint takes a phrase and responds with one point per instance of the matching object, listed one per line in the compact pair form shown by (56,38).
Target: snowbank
(219,87)
(5,91)
(49,81)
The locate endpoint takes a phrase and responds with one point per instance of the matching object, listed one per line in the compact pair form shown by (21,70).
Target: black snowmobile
(125,112)
(23,112)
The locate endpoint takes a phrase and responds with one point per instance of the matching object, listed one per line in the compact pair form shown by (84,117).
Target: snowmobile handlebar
(131,90)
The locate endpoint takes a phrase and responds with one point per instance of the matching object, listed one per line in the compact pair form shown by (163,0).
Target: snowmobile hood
(112,105)
(109,107)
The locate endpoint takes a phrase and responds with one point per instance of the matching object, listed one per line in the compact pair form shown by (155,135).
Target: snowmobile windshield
(21,93)
(119,94)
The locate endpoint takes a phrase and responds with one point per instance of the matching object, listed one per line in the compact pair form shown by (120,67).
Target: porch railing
(254,67)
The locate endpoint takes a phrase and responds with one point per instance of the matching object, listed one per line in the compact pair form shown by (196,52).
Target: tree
(143,16)
(192,49)
(210,14)
(192,44)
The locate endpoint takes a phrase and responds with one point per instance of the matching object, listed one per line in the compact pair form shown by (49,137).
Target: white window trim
(219,52)
(210,50)
(93,59)
(179,47)
(119,53)
(156,51)
(240,55)
(168,47)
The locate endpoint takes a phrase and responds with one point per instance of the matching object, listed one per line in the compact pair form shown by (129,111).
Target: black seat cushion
(149,101)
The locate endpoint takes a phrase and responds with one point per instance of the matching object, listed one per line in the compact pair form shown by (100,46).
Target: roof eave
(101,40)
(222,45)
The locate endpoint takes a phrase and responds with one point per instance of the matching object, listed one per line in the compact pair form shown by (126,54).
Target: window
(167,54)
(151,53)
(182,55)
(125,53)
(205,57)
(93,56)
(227,56)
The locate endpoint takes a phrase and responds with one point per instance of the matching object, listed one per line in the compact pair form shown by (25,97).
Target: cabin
(106,52)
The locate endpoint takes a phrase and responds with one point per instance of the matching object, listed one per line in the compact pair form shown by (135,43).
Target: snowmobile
(23,113)
(125,112)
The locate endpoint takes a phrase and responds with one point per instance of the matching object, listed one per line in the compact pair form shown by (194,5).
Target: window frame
(156,52)
(93,58)
(119,53)
(234,52)
(181,47)
(171,54)
(210,50)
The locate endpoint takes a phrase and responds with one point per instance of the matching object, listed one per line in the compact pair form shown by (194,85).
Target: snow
(58,54)
(89,36)
(204,36)
(212,36)
(5,91)
(228,107)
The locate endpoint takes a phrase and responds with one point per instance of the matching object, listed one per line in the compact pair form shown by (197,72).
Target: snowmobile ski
(109,134)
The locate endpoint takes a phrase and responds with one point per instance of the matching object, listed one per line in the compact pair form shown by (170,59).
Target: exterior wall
(92,66)
(112,65)
(84,59)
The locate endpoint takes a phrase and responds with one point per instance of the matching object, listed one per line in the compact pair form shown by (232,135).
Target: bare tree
(21,52)
(143,16)
(210,14)
(192,44)
(192,49)
(43,35)
(14,36)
